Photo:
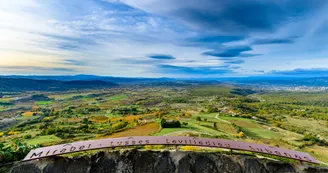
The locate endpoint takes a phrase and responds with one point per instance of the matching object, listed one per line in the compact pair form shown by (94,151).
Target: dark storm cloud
(161,56)
(228,52)
(238,16)
(194,70)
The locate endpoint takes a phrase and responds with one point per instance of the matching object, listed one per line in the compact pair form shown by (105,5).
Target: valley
(291,120)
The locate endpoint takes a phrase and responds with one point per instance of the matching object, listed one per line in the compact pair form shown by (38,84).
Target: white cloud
(47,33)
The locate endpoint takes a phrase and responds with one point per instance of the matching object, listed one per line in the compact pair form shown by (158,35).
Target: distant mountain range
(62,83)
(119,80)
(280,81)
(26,84)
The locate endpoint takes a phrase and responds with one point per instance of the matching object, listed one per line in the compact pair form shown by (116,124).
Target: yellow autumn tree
(241,135)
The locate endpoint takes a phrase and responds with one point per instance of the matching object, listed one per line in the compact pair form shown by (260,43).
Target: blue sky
(164,38)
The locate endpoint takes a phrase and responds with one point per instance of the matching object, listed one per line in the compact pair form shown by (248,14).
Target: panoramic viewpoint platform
(169,140)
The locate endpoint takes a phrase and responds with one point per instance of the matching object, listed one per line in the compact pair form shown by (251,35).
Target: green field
(166,131)
(118,97)
(43,140)
(41,103)
(285,119)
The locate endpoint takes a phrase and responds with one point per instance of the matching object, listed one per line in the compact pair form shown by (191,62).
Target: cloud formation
(225,16)
(194,70)
(228,52)
(312,72)
(163,38)
(161,56)
(273,41)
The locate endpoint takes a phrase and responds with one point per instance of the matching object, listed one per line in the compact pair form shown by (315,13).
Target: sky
(164,38)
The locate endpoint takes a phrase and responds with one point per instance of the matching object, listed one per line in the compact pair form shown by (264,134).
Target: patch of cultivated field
(42,103)
(48,139)
(99,119)
(27,114)
(225,127)
(166,131)
(204,129)
(260,133)
(118,97)
(144,130)
(209,117)
(251,128)
(313,126)
(242,122)
(319,152)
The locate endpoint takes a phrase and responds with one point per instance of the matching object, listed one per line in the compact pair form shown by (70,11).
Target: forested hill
(11,84)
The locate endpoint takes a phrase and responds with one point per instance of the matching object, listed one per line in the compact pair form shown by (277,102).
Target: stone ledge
(134,161)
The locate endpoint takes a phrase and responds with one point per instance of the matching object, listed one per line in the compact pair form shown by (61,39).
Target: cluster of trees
(312,139)
(170,124)
(125,110)
(84,110)
(242,92)
(200,119)
(16,151)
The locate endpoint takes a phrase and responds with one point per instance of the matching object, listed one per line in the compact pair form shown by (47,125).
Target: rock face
(134,161)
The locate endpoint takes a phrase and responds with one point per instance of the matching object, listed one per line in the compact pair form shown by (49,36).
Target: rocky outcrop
(134,161)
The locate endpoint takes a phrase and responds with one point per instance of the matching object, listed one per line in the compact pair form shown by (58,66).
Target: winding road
(217,117)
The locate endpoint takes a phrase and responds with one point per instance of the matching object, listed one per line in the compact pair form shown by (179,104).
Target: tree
(212,109)
(198,119)
(215,125)
(159,114)
(85,121)
(241,135)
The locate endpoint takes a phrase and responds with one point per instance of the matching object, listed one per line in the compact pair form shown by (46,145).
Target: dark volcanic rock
(144,163)
(58,166)
(78,165)
(100,163)
(274,167)
(227,164)
(204,164)
(134,161)
(126,162)
(164,163)
(185,165)
(26,168)
(253,166)
(316,170)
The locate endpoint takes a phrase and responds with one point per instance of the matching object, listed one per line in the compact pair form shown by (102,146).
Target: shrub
(27,136)
(241,134)
(13,133)
(238,129)
(215,125)
(15,152)
(212,109)
(188,115)
(198,118)
(85,121)
(154,147)
(184,123)
(190,148)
